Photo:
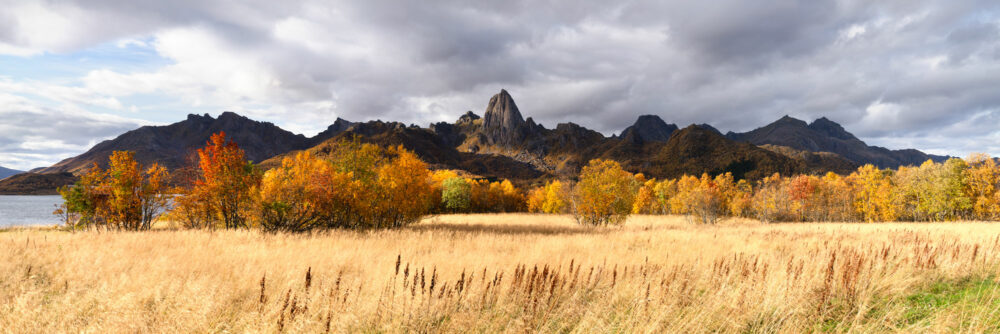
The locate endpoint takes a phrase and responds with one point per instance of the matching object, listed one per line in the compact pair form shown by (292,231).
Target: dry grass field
(508,273)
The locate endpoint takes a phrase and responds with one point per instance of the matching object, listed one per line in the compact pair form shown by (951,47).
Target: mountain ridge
(504,144)
(174,144)
(824,135)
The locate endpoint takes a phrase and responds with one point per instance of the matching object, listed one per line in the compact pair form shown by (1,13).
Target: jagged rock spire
(502,121)
(502,113)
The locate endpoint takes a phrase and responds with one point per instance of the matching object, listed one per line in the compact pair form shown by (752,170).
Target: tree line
(356,185)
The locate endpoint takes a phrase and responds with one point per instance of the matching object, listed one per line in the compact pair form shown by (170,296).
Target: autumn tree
(645,198)
(294,197)
(738,198)
(456,194)
(663,193)
(124,197)
(876,198)
(983,180)
(605,194)
(770,200)
(86,199)
(686,186)
(351,185)
(557,197)
(389,187)
(511,198)
(836,198)
(222,191)
(534,199)
(704,201)
(553,197)
(955,187)
(135,196)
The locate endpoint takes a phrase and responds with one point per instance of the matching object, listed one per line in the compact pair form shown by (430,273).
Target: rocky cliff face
(503,124)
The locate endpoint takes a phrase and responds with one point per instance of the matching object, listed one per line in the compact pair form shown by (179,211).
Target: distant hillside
(35,184)
(5,172)
(173,145)
(696,149)
(816,162)
(824,135)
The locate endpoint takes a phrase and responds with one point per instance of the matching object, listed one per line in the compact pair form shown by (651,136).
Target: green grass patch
(965,296)
(962,304)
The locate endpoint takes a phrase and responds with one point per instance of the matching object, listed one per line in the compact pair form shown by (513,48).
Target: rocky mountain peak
(789,120)
(709,128)
(468,117)
(340,125)
(831,128)
(503,123)
(649,128)
(502,113)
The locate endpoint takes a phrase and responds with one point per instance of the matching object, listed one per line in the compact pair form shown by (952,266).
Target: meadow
(508,273)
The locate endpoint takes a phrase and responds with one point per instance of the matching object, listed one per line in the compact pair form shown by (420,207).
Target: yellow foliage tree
(645,199)
(876,198)
(984,176)
(605,194)
(124,197)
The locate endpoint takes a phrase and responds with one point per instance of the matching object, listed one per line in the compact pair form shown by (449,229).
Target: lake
(28,210)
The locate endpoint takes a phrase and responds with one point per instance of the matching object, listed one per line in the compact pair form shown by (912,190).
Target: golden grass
(508,273)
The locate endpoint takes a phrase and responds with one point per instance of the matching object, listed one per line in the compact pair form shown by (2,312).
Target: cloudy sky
(897,73)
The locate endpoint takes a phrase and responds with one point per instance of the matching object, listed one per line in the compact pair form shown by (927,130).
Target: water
(28,210)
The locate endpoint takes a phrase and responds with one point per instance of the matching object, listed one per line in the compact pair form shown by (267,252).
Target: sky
(897,73)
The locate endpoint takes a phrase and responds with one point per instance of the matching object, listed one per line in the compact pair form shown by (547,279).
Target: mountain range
(503,144)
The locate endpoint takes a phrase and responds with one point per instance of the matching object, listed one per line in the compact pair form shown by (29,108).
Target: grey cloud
(31,137)
(734,64)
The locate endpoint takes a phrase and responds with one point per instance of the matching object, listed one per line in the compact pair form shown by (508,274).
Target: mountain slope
(695,150)
(5,172)
(815,162)
(173,145)
(824,135)
(35,184)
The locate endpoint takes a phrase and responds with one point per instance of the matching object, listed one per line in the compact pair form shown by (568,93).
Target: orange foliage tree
(298,195)
(222,191)
(375,187)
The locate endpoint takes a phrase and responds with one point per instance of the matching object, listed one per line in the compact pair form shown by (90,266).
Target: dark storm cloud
(894,72)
